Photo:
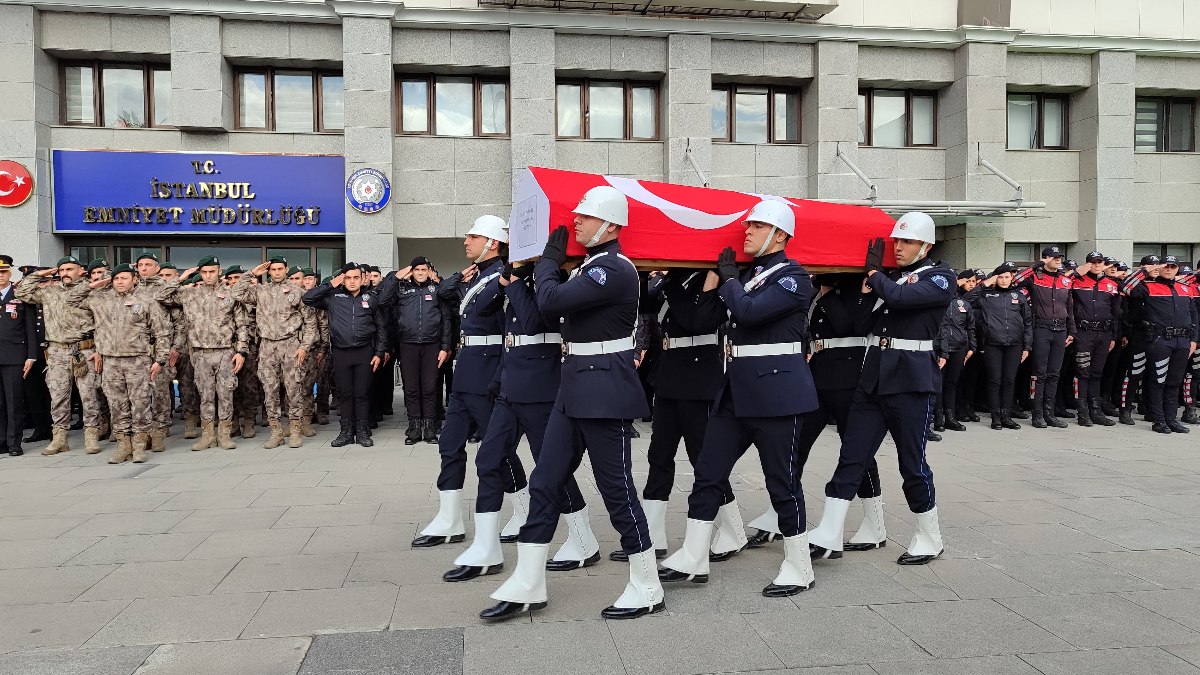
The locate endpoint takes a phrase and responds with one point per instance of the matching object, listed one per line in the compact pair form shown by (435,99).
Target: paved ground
(1080,556)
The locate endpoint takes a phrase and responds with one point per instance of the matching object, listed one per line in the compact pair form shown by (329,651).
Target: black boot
(38,435)
(1039,421)
(430,431)
(362,435)
(996,423)
(1097,409)
(1006,420)
(1052,420)
(1160,428)
(412,435)
(951,423)
(1108,408)
(1126,416)
(1018,413)
(1176,427)
(346,436)
(934,436)
(1189,415)
(939,420)
(1084,417)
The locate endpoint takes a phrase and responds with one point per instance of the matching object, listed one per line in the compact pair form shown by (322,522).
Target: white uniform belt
(776,349)
(835,343)
(539,339)
(480,340)
(904,345)
(596,348)
(690,341)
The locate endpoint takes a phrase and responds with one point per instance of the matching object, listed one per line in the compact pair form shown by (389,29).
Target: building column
(688,106)
(1104,132)
(532,93)
(29,98)
(201,79)
(830,120)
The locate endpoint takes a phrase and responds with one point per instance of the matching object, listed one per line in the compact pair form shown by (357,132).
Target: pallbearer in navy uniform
(896,393)
(598,399)
(766,391)
(480,300)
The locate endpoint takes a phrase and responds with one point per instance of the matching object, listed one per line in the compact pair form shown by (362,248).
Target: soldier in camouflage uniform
(149,282)
(178,364)
(318,359)
(98,269)
(287,334)
(71,355)
(133,338)
(248,397)
(217,329)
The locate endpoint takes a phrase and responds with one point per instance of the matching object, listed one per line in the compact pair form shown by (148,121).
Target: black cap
(372,268)
(347,267)
(1185,269)
(123,267)
(1070,264)
(418,261)
(208,261)
(1170,260)
(6,262)
(1095,256)
(146,256)
(1151,260)
(1108,260)
(26,270)
(233,269)
(967,274)
(1122,267)
(97,264)
(1004,267)
(1052,252)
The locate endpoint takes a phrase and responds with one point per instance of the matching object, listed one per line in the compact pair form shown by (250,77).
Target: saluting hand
(238,362)
(336,282)
(260,270)
(100,283)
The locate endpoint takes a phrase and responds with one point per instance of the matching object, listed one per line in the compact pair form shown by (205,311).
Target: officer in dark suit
(37,394)
(598,399)
(768,314)
(896,392)
(480,300)
(18,353)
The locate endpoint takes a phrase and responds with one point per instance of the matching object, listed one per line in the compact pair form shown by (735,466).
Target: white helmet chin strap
(766,242)
(487,246)
(599,233)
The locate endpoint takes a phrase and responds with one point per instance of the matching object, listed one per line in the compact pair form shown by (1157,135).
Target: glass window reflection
(293,102)
(124,97)
(454,106)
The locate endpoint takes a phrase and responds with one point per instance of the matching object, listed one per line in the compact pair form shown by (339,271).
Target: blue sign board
(205,193)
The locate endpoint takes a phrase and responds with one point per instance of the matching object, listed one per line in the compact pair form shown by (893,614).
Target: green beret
(310,272)
(326,280)
(67,260)
(233,269)
(96,264)
(195,278)
(292,270)
(147,256)
(169,266)
(278,259)
(209,261)
(123,267)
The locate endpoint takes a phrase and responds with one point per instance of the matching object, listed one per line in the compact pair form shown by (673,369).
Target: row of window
(286,100)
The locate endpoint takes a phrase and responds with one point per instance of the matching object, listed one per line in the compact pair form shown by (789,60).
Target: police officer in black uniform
(1097,315)
(598,399)
(37,394)
(896,392)
(1132,394)
(1191,383)
(1005,324)
(1049,289)
(954,346)
(18,354)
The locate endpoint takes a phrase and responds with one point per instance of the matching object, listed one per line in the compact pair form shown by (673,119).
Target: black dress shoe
(971,416)
(1177,427)
(784,590)
(722,557)
(566,565)
(428,540)
(620,555)
(762,538)
(667,574)
(474,438)
(467,572)
(630,612)
(38,436)
(508,538)
(1160,428)
(15,452)
(954,425)
(869,546)
(507,610)
(634,433)
(821,553)
(909,559)
(934,436)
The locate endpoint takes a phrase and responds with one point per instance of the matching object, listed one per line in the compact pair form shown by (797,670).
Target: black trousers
(383,383)
(1194,379)
(726,439)
(951,373)
(1091,355)
(37,398)
(12,406)
(835,406)
(1113,376)
(463,411)
(906,417)
(499,468)
(1169,359)
(419,374)
(607,444)
(969,390)
(1049,346)
(674,420)
(1132,387)
(352,374)
(1002,362)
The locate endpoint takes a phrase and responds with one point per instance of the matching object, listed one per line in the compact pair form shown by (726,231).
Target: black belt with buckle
(1052,324)
(1095,325)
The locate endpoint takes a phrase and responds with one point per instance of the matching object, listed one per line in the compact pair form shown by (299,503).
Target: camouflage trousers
(324,379)
(312,372)
(163,397)
(277,369)
(59,377)
(127,386)
(215,382)
(246,398)
(185,375)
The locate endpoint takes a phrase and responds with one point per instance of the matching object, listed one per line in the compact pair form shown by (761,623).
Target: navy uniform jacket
(912,310)
(528,374)
(689,373)
(599,303)
(481,314)
(844,311)
(18,335)
(773,311)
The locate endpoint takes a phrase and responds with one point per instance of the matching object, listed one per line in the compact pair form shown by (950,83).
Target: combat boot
(1038,421)
(248,428)
(158,440)
(295,435)
(276,438)
(1097,411)
(939,420)
(306,429)
(362,435)
(430,434)
(1006,420)
(1126,416)
(996,423)
(123,451)
(167,430)
(346,436)
(189,426)
(139,447)
(1189,415)
(91,440)
(951,423)
(1083,416)
(208,437)
(59,444)
(322,418)
(1108,408)
(412,435)
(225,435)
(105,429)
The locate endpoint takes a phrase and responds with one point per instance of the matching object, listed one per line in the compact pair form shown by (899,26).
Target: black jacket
(354,320)
(842,312)
(18,334)
(688,373)
(957,333)
(419,316)
(1004,318)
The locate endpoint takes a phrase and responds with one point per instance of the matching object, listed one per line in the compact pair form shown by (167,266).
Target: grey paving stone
(728,591)
(288,573)
(372,476)
(161,579)
(267,481)
(249,465)
(359,538)
(140,548)
(278,656)
(847,582)
(1161,485)
(430,652)
(1030,511)
(542,649)
(42,552)
(1184,505)
(834,636)
(113,524)
(1112,508)
(968,542)
(1086,621)
(335,462)
(1046,538)
(682,645)
(326,515)
(109,661)
(301,496)
(210,499)
(1112,662)
(49,584)
(215,520)
(333,610)
(203,482)
(978,665)
(1164,569)
(968,628)
(1090,487)
(1178,605)
(247,543)
(1142,535)
(973,579)
(411,567)
(1189,653)
(1069,573)
(443,605)
(1011,490)
(195,618)
(22,507)
(67,624)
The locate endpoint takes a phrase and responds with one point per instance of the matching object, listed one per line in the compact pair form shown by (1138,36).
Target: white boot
(829,533)
(656,520)
(527,585)
(447,526)
(484,550)
(581,545)
(767,522)
(872,533)
(691,561)
(926,543)
(731,533)
(520,504)
(643,594)
(796,572)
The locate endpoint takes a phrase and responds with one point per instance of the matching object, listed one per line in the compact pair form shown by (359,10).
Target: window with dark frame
(452,105)
(755,114)
(1037,121)
(289,100)
(1182,251)
(897,118)
(607,110)
(1164,125)
(115,95)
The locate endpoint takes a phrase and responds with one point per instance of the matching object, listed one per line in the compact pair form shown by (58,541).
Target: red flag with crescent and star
(15,183)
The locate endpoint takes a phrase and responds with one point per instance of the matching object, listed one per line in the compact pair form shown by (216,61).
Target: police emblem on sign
(368,190)
(598,275)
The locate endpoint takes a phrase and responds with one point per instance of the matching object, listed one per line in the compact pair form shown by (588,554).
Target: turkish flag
(685,224)
(15,183)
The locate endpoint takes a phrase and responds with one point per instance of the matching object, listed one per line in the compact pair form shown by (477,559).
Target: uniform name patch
(598,275)
(942,282)
(789,284)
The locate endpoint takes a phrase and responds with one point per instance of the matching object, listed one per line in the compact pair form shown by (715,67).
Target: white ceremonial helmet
(606,203)
(774,213)
(492,227)
(916,226)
